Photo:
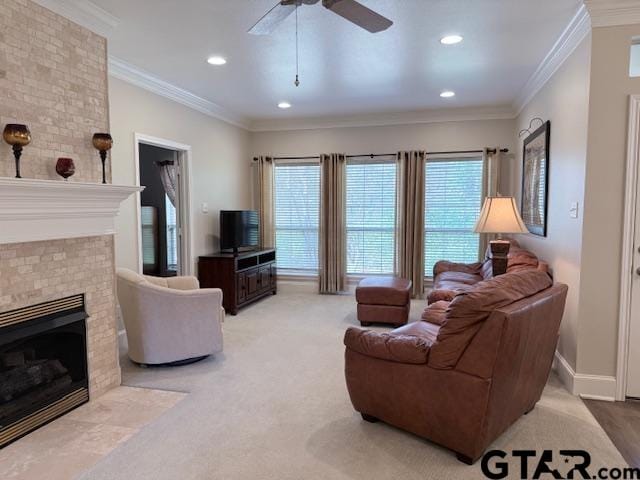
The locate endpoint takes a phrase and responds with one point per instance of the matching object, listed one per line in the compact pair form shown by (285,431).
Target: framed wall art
(535,180)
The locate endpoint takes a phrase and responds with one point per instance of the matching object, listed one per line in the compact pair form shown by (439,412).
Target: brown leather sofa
(449,278)
(463,379)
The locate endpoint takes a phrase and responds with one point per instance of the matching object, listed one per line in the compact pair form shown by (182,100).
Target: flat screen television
(239,229)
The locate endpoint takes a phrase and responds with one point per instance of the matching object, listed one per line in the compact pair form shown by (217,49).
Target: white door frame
(186,209)
(626,275)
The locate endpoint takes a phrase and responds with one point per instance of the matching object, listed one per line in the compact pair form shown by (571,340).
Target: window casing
(453,200)
(297,217)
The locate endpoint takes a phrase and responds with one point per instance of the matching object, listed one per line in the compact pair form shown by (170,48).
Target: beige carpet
(275,406)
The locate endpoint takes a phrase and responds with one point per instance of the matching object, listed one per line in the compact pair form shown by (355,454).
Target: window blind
(453,199)
(148,217)
(371,216)
(297,216)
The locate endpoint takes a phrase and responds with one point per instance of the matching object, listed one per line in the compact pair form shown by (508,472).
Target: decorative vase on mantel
(65,168)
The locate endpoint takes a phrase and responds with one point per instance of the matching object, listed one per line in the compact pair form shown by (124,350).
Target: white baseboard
(594,387)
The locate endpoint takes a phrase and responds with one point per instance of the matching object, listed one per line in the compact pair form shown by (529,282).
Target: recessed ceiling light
(284,105)
(451,39)
(216,60)
(448,94)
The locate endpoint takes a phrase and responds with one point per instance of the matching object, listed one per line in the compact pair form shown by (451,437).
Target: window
(634,63)
(453,199)
(149,221)
(371,205)
(297,216)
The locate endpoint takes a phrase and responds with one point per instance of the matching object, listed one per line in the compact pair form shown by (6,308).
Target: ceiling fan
(351,10)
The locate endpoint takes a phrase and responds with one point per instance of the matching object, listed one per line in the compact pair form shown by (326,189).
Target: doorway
(164,239)
(628,373)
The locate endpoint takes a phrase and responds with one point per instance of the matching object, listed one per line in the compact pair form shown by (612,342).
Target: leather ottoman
(383,300)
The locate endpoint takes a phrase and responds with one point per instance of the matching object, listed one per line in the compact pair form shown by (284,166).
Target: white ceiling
(345,71)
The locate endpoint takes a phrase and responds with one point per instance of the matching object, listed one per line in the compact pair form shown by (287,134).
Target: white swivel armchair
(169,320)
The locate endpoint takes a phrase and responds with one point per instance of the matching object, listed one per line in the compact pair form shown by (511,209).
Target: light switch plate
(205,208)
(573,211)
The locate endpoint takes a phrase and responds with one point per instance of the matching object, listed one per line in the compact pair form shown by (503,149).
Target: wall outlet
(573,211)
(204,208)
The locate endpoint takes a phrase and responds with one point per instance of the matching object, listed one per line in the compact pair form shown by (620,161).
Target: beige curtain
(410,219)
(265,200)
(332,240)
(492,166)
(169,179)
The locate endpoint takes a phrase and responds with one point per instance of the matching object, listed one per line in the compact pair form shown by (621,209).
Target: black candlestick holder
(18,136)
(103,143)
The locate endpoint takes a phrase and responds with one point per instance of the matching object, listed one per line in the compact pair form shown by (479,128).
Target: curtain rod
(372,155)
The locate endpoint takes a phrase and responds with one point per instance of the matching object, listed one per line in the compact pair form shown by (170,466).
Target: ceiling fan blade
(357,13)
(274,17)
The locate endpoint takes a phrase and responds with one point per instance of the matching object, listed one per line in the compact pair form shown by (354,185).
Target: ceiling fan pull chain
(297,82)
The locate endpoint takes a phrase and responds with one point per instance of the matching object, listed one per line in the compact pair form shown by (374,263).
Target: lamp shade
(500,215)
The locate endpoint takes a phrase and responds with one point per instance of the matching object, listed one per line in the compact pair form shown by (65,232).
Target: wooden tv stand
(243,278)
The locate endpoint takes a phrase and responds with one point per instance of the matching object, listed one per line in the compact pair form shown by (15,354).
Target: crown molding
(570,39)
(608,13)
(387,119)
(84,13)
(131,74)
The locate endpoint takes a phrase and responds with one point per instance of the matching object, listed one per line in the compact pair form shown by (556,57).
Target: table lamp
(500,215)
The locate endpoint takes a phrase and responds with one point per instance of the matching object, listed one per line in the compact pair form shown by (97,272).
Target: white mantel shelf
(37,210)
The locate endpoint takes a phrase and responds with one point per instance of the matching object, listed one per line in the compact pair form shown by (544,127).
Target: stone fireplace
(56,237)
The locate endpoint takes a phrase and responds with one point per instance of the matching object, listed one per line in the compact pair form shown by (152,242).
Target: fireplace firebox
(43,365)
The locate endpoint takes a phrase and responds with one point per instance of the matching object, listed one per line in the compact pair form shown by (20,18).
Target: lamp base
(499,256)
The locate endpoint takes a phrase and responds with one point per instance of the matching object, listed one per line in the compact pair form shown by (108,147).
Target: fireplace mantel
(36,210)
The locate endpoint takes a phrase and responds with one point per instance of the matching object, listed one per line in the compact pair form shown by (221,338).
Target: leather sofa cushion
(446,266)
(436,312)
(388,346)
(424,330)
(471,308)
(384,291)
(520,259)
(458,277)
(441,295)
